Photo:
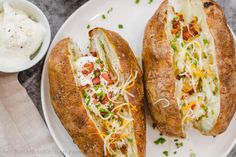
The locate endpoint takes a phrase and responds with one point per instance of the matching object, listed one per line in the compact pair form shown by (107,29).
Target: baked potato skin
(159,76)
(226,62)
(67,102)
(159,79)
(129,65)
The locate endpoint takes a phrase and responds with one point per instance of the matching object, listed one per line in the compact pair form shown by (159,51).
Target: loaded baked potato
(99,96)
(189,68)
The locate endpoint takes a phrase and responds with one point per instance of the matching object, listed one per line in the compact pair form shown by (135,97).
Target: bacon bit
(110,94)
(94,54)
(107,77)
(181,17)
(88,68)
(96,80)
(123,149)
(175,27)
(95,97)
(102,65)
(112,145)
(104,100)
(193,106)
(189,32)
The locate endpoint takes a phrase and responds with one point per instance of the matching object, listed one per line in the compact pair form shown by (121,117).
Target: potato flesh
(100,45)
(195,64)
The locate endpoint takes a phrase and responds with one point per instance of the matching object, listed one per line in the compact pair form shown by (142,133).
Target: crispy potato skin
(129,65)
(159,77)
(225,56)
(67,102)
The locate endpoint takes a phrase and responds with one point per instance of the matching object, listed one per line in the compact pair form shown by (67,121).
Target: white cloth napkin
(22,130)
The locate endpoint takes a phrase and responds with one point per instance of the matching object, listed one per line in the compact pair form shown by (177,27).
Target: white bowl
(36,13)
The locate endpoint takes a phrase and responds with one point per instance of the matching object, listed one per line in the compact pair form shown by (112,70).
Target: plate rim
(48,124)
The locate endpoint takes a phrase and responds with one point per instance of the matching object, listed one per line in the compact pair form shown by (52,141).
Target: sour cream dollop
(20,36)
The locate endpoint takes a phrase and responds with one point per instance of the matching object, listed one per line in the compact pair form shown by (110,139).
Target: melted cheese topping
(106,99)
(193,49)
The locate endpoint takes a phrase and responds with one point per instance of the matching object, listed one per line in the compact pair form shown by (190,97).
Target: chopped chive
(110,10)
(178,145)
(212,112)
(176,140)
(206,108)
(84,94)
(166,153)
(161,140)
(88,26)
(103,17)
(150,1)
(33,55)
(120,26)
(175,152)
(205,41)
(173,46)
(137,1)
(193,155)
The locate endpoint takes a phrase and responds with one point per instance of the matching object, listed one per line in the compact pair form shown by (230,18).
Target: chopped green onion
(120,26)
(150,1)
(88,26)
(87,100)
(33,55)
(161,140)
(193,155)
(178,145)
(100,94)
(205,41)
(109,11)
(166,153)
(98,106)
(103,17)
(84,94)
(173,46)
(212,112)
(137,1)
(99,61)
(175,152)
(97,87)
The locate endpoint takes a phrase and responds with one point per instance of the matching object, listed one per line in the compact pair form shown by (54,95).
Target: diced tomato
(108,77)
(96,80)
(94,54)
(123,149)
(88,68)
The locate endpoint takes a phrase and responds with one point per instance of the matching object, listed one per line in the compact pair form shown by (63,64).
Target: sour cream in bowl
(24,35)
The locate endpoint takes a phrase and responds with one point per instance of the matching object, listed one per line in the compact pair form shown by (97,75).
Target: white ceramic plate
(134,18)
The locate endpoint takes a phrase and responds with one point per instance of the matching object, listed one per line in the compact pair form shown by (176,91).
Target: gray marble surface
(57,11)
